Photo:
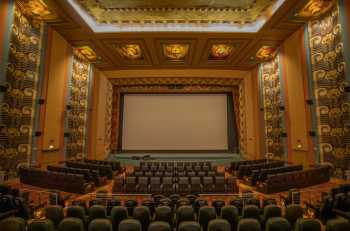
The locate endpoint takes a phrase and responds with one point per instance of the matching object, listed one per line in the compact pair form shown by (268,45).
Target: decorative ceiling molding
(38,10)
(137,15)
(86,53)
(314,9)
(266,53)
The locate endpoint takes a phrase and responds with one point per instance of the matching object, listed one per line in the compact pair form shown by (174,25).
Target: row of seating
(235,165)
(75,224)
(169,185)
(175,173)
(178,168)
(260,175)
(114,164)
(246,170)
(89,175)
(104,170)
(74,183)
(299,179)
(175,163)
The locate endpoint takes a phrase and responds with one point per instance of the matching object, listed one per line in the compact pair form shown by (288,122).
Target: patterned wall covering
(77,115)
(108,117)
(271,100)
(180,85)
(328,80)
(18,106)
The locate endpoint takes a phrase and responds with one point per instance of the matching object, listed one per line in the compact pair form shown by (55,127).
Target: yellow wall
(297,118)
(55,94)
(97,141)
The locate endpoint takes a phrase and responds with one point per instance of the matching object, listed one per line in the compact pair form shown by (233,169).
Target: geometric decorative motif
(108,117)
(266,53)
(175,52)
(272,101)
(78,102)
(39,10)
(129,51)
(329,80)
(18,106)
(220,51)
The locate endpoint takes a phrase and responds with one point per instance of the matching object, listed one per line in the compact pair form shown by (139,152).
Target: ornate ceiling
(180,48)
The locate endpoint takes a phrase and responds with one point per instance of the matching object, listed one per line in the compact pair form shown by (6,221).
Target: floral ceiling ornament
(266,53)
(175,51)
(315,8)
(129,51)
(86,52)
(220,51)
(39,10)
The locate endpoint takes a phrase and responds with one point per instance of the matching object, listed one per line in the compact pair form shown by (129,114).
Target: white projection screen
(174,122)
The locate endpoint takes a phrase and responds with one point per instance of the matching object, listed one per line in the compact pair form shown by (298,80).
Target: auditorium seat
(118,213)
(218,204)
(249,224)
(184,185)
(220,186)
(100,225)
(97,211)
(206,214)
(143,215)
(277,224)
(184,213)
(293,212)
(198,203)
(189,226)
(41,225)
(164,213)
(142,186)
(159,226)
(307,224)
(251,211)
(77,211)
(130,205)
(196,186)
(231,214)
(155,185)
(129,225)
(168,186)
(54,213)
(208,184)
(71,224)
(130,184)
(13,224)
(219,225)
(271,211)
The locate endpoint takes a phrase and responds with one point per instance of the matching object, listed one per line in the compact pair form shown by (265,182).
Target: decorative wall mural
(272,100)
(266,53)
(220,51)
(86,52)
(77,115)
(329,80)
(129,51)
(18,106)
(175,52)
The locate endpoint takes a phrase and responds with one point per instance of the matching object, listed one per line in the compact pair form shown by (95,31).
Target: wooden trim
(4,7)
(45,85)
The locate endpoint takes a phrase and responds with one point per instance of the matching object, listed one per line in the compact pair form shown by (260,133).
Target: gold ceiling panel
(220,51)
(38,10)
(180,11)
(175,52)
(86,53)
(129,51)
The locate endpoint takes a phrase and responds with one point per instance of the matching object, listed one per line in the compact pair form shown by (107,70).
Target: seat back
(97,211)
(71,224)
(277,224)
(293,212)
(219,225)
(206,213)
(118,213)
(249,224)
(130,225)
(54,213)
(100,225)
(307,225)
(184,213)
(230,213)
(142,214)
(189,226)
(159,226)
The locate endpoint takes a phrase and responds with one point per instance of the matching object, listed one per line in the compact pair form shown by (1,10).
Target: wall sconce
(299,145)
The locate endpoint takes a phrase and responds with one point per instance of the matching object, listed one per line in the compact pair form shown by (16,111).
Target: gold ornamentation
(315,8)
(86,52)
(220,51)
(175,52)
(266,53)
(129,51)
(180,11)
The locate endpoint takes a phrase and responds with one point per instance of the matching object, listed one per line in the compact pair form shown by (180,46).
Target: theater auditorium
(185,115)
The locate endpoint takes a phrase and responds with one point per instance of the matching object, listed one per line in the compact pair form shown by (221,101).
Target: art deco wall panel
(18,106)
(329,80)
(270,85)
(78,113)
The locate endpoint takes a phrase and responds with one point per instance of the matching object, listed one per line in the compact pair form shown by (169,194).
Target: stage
(134,158)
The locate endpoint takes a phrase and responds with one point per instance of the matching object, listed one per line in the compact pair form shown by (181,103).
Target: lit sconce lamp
(299,144)
(175,52)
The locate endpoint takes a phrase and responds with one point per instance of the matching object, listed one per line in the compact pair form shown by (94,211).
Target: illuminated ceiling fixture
(180,15)
(315,8)
(220,51)
(39,10)
(129,51)
(86,52)
(266,53)
(175,51)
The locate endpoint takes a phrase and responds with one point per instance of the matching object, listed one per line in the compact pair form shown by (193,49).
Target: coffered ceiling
(177,48)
